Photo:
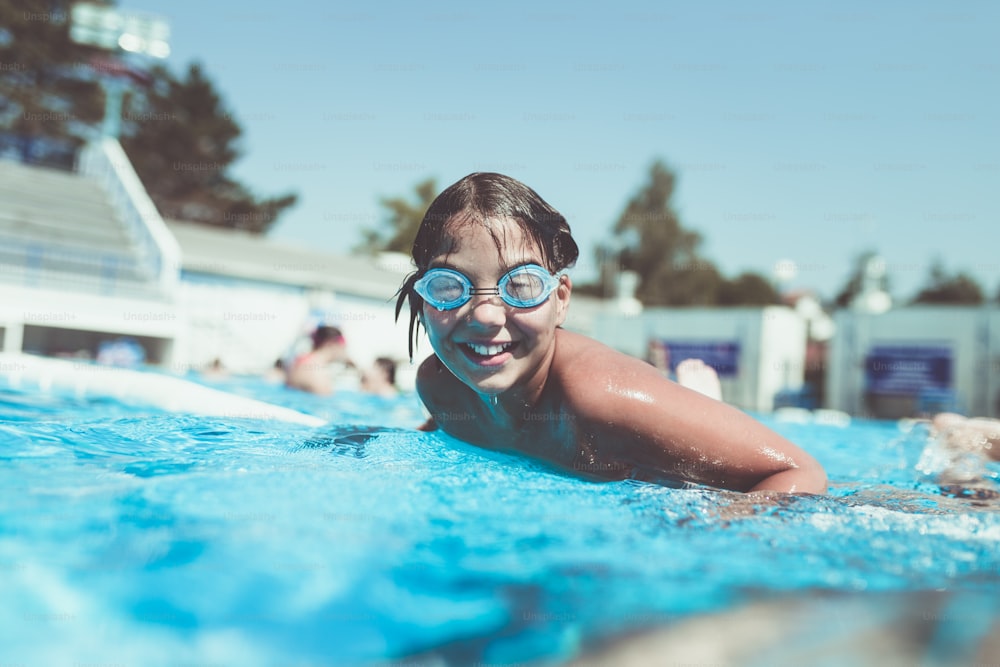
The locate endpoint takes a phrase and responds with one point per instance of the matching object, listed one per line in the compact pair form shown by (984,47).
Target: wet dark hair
(473,200)
(389,367)
(325,333)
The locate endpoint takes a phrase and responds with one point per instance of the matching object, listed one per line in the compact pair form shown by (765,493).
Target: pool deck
(930,629)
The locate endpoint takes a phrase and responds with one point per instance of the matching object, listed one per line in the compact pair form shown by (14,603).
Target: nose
(487,310)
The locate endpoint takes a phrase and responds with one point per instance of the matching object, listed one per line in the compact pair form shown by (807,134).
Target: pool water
(132,536)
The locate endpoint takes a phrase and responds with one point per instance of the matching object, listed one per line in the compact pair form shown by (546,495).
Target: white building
(916,360)
(245,299)
(85,259)
(756,351)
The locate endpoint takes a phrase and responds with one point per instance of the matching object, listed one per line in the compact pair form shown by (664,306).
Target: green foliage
(402,221)
(46,87)
(178,135)
(670,271)
(748,289)
(182,141)
(665,255)
(945,288)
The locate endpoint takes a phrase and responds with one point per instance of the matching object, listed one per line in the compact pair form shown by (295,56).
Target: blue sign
(908,370)
(723,356)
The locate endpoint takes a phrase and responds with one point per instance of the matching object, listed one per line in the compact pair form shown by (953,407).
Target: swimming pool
(130,535)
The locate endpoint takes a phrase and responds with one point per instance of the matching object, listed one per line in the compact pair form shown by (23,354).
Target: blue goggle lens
(524,287)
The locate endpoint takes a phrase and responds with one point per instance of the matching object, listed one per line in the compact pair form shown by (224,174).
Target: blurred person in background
(276,373)
(960,453)
(380,379)
(977,434)
(317,370)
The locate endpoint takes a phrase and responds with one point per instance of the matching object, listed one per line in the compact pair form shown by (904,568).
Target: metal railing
(104,162)
(33,263)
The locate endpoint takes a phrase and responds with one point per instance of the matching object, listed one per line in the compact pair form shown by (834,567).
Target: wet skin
(510,379)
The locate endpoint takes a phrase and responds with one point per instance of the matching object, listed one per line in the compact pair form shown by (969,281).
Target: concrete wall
(770,343)
(968,336)
(249,324)
(53,322)
(246,324)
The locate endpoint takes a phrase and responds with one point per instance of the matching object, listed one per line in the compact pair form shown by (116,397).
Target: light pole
(873,298)
(118,32)
(611,258)
(783,273)
(619,284)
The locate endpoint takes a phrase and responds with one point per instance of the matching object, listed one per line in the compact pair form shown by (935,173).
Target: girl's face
(489,345)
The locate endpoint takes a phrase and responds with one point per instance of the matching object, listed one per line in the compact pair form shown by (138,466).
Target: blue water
(133,536)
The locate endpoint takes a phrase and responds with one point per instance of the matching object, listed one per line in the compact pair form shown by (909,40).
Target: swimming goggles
(522,287)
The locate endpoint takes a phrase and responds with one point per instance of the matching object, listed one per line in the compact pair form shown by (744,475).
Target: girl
(504,374)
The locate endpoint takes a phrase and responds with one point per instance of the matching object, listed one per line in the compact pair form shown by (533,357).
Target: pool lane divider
(85,379)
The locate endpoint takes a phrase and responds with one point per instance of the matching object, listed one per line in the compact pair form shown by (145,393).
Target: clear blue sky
(802,131)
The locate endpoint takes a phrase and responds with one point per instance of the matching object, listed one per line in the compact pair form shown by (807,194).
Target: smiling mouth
(487,351)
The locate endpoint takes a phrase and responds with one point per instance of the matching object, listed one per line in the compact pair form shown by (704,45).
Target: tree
(182,142)
(648,238)
(945,288)
(403,221)
(748,289)
(48,94)
(671,272)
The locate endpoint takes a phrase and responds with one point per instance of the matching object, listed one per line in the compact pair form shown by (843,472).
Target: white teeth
(489,350)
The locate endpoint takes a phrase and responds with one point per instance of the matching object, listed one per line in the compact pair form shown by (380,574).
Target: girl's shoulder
(590,372)
(576,353)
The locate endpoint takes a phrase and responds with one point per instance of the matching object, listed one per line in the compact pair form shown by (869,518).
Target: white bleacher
(59,230)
